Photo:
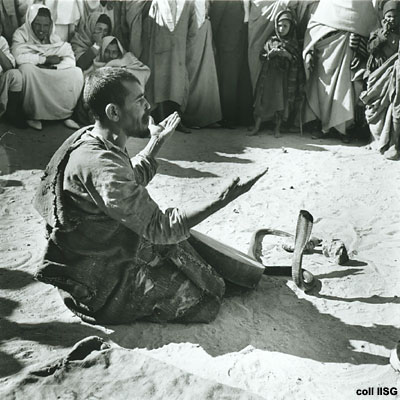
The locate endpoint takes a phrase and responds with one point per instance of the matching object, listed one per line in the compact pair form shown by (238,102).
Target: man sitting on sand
(10,86)
(99,214)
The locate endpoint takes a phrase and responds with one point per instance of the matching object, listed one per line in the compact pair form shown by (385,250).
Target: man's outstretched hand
(237,188)
(196,215)
(165,129)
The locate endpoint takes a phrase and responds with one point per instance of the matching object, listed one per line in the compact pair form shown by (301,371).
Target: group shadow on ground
(55,333)
(273,318)
(270,318)
(26,149)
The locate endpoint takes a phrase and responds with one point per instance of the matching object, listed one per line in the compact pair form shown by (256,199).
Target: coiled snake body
(302,278)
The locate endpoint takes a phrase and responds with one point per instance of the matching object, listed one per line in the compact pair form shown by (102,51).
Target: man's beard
(144,133)
(141,131)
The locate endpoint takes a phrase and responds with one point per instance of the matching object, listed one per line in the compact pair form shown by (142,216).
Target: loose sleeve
(117,189)
(144,168)
(23,53)
(375,42)
(6,50)
(68,57)
(27,58)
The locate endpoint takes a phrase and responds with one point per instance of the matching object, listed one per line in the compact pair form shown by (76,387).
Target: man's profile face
(41,26)
(112,52)
(134,117)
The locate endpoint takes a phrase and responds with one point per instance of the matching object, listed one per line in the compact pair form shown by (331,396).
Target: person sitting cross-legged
(10,87)
(51,81)
(98,215)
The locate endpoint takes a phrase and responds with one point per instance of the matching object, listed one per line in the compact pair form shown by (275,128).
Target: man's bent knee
(14,78)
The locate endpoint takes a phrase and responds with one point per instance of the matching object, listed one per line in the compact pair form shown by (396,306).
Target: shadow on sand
(271,318)
(60,334)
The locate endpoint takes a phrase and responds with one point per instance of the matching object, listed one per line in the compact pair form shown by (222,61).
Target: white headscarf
(127,60)
(25,41)
(27,31)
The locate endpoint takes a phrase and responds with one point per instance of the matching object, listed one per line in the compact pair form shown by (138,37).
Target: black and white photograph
(199,199)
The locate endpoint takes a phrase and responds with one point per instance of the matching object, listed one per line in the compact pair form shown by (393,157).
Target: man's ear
(112,112)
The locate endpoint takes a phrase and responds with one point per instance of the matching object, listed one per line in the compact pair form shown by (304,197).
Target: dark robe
(164,51)
(230,34)
(279,83)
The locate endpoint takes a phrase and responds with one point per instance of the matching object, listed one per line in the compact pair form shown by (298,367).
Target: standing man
(168,27)
(229,21)
(335,59)
(98,211)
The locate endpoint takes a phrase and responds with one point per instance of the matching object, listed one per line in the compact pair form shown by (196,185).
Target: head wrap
(82,39)
(31,14)
(107,40)
(391,6)
(285,15)
(105,19)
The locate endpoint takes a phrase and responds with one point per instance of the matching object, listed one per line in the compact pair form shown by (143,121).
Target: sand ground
(274,342)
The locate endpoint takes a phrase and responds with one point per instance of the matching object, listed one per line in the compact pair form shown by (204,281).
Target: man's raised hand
(161,132)
(166,128)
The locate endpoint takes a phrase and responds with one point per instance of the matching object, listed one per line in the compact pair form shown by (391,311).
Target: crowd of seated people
(285,63)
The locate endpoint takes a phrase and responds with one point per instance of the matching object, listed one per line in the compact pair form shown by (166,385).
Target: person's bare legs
(278,122)
(392,153)
(256,128)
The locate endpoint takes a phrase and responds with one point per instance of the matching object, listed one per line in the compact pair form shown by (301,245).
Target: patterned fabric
(382,103)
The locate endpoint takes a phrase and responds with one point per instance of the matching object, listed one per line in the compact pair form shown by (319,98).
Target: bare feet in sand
(252,131)
(256,129)
(392,154)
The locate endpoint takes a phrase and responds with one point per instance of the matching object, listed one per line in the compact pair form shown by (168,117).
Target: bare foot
(277,134)
(182,128)
(392,154)
(253,132)
(293,129)
(318,135)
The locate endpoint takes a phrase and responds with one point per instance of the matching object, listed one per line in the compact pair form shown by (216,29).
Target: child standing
(384,42)
(278,82)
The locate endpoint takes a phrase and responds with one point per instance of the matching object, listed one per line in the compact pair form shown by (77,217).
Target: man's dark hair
(105,19)
(105,86)
(44,12)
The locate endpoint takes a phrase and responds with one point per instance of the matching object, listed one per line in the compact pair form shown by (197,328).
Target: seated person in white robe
(66,15)
(52,83)
(10,86)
